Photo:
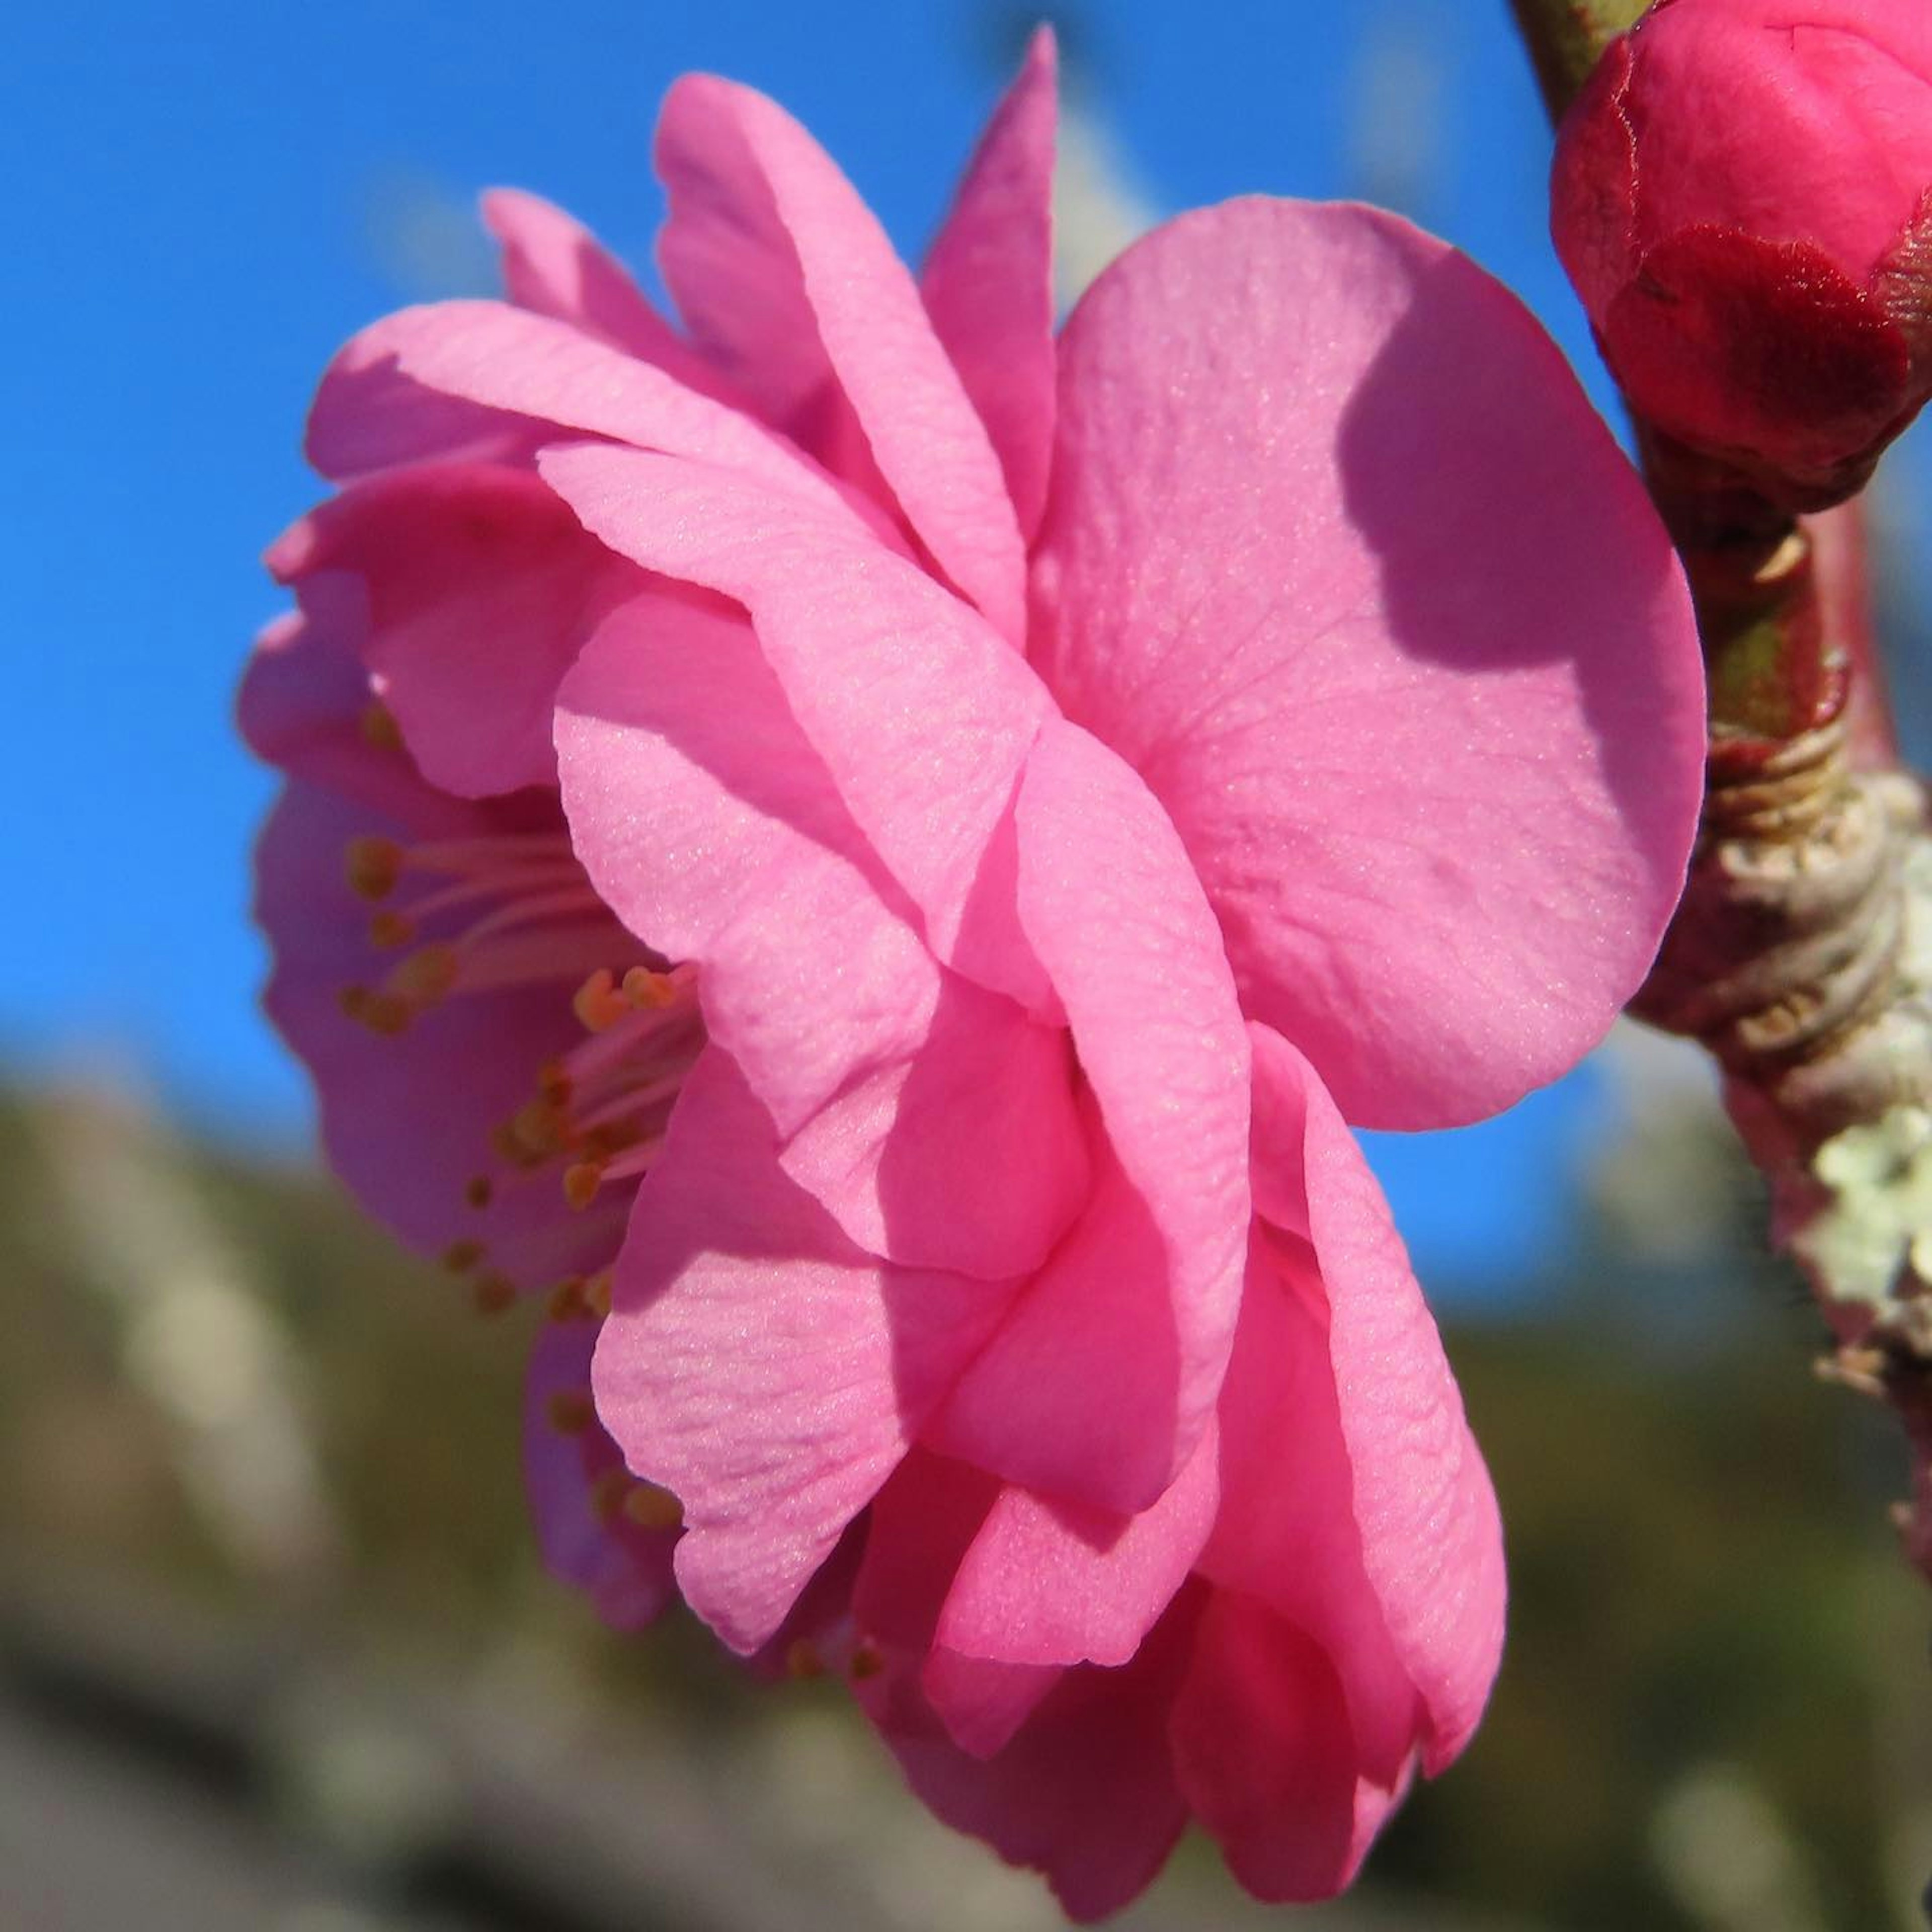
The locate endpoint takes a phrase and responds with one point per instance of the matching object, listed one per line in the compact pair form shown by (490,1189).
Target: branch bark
(1800,956)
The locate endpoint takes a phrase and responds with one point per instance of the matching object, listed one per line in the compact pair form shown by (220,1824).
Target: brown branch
(1800,956)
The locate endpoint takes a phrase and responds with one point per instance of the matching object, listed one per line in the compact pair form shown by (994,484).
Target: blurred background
(275,1649)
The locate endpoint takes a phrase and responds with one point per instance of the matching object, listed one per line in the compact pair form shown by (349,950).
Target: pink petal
(305,693)
(918,1531)
(1085,1793)
(1431,1540)
(760,1366)
(1263,1748)
(934,1119)
(554,265)
(480,586)
(921,716)
(1341,560)
(788,281)
(1287,1535)
(625,1568)
(1098,1387)
(988,282)
(1053,1583)
(404,381)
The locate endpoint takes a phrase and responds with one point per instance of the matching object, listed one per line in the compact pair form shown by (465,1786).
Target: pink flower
(1029,796)
(1743,196)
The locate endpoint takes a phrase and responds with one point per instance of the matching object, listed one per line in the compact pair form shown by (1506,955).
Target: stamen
(478,1190)
(581,1181)
(867,1661)
(380,1012)
(650,1507)
(492,1294)
(803,1660)
(373,866)
(569,1412)
(388,930)
(597,1003)
(378,727)
(425,975)
(460,1257)
(567,1302)
(646,990)
(608,1496)
(597,1293)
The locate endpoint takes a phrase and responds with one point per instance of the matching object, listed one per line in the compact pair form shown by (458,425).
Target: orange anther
(569,1412)
(388,930)
(492,1294)
(379,727)
(426,975)
(650,1507)
(373,865)
(644,988)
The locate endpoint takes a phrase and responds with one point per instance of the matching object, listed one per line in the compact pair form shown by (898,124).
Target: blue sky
(210,197)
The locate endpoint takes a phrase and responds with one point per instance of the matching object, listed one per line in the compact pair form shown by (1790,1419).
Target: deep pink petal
(1098,1387)
(921,716)
(758,1365)
(987,282)
(625,1567)
(1431,1540)
(1264,1754)
(933,1119)
(771,256)
(1085,1793)
(480,586)
(1053,1583)
(1341,560)
(406,380)
(554,265)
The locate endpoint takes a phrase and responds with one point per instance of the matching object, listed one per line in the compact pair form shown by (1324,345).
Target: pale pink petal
(1085,1793)
(1431,1540)
(625,1567)
(758,1365)
(1341,560)
(787,280)
(479,588)
(1047,1582)
(934,1119)
(1098,1387)
(1264,1754)
(987,282)
(398,386)
(922,717)
(554,265)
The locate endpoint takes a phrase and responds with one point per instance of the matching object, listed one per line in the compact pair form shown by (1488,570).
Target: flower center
(514,911)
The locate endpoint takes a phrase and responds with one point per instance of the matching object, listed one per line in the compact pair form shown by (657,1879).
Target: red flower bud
(1742,194)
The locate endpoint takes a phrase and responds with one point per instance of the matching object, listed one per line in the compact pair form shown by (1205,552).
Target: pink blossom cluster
(886,849)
